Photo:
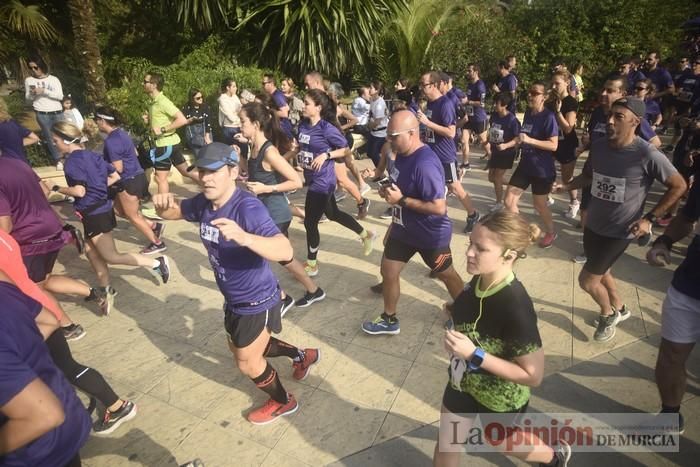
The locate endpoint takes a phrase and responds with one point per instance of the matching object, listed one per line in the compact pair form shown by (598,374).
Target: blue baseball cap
(213,156)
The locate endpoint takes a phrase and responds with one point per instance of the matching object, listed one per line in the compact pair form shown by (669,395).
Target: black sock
(92,296)
(389,318)
(278,348)
(668,409)
(269,382)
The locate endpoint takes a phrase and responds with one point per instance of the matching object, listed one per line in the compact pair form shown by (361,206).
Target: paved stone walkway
(372,401)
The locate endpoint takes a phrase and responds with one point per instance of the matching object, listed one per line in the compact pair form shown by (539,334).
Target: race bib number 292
(608,188)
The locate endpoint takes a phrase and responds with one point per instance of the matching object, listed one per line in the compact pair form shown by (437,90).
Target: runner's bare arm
(167,206)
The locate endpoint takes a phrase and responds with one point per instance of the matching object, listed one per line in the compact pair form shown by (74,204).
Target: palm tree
(295,36)
(82,14)
(21,25)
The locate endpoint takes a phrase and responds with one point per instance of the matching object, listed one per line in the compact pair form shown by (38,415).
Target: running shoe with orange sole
(272,410)
(301,369)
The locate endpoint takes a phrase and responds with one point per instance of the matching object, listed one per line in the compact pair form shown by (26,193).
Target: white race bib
(304,138)
(458,366)
(397,215)
(495,134)
(608,188)
(469,110)
(304,158)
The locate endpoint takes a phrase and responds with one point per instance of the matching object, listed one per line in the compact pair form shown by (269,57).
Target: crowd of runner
(420,144)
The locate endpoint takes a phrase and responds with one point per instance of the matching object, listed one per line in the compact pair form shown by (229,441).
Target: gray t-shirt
(622,179)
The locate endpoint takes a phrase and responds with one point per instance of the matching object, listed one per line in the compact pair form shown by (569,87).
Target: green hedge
(203,68)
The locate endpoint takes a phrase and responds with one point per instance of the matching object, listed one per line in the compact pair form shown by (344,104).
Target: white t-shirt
(360,110)
(50,99)
(229,106)
(377,109)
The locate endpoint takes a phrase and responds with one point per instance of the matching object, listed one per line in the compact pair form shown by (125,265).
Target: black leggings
(79,375)
(316,205)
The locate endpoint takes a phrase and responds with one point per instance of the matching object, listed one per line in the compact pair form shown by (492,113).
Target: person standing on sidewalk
(164,118)
(680,312)
(620,169)
(241,239)
(416,192)
(45,93)
(440,120)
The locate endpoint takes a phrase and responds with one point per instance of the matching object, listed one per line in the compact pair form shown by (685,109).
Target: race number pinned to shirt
(469,110)
(304,158)
(608,188)
(397,215)
(209,233)
(600,129)
(458,366)
(304,138)
(495,134)
(429,133)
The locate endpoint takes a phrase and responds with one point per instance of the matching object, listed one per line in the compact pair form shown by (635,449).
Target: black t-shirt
(569,142)
(686,279)
(506,327)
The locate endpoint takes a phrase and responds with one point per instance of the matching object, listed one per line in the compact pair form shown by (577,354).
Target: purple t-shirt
(313,141)
(661,78)
(503,130)
(90,170)
(11,136)
(541,126)
(34,224)
(24,357)
(476,92)
(244,277)
(420,176)
(119,147)
(281,102)
(652,110)
(441,111)
(509,84)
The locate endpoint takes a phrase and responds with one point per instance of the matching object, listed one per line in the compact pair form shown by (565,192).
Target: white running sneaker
(572,212)
(364,189)
(550,201)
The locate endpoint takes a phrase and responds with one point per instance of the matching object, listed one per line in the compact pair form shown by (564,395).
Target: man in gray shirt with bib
(621,169)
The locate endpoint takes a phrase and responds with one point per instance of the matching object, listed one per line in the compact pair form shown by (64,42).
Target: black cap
(634,104)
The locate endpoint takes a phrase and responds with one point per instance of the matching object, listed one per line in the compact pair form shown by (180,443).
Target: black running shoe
(154,248)
(112,420)
(163,269)
(73,332)
(78,238)
(287,303)
(310,298)
(378,288)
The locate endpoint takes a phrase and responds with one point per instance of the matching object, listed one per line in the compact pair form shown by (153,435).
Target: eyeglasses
(424,85)
(640,89)
(146,81)
(198,98)
(397,133)
(534,93)
(33,67)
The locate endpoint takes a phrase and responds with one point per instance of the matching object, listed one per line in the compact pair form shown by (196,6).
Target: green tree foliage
(21,25)
(203,68)
(595,32)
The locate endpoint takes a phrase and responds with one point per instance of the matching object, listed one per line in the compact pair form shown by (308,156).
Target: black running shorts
(601,251)
(437,259)
(242,330)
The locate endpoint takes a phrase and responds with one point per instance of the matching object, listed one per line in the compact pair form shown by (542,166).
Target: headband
(66,139)
(104,117)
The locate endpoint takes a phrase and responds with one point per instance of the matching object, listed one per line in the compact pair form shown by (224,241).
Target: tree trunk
(82,14)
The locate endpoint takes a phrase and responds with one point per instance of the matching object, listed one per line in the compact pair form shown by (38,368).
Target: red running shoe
(301,369)
(272,410)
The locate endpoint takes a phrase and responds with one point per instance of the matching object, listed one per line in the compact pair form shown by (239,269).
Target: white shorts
(680,318)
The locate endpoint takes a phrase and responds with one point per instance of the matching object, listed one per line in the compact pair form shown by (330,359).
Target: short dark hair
(503,98)
(503,64)
(270,77)
(475,66)
(156,79)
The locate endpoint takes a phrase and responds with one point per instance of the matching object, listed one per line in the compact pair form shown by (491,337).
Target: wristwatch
(650,217)
(402,201)
(162,130)
(328,156)
(476,360)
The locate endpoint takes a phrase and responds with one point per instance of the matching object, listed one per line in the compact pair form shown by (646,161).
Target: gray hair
(336,90)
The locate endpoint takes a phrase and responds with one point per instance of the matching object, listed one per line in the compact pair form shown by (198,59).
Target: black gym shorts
(242,330)
(96,224)
(40,266)
(437,259)
(450,169)
(476,127)
(540,186)
(601,251)
(176,157)
(137,186)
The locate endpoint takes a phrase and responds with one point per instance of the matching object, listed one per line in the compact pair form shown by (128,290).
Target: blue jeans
(374,148)
(46,122)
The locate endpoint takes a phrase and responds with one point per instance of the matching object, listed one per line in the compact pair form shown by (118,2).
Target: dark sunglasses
(198,98)
(146,82)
